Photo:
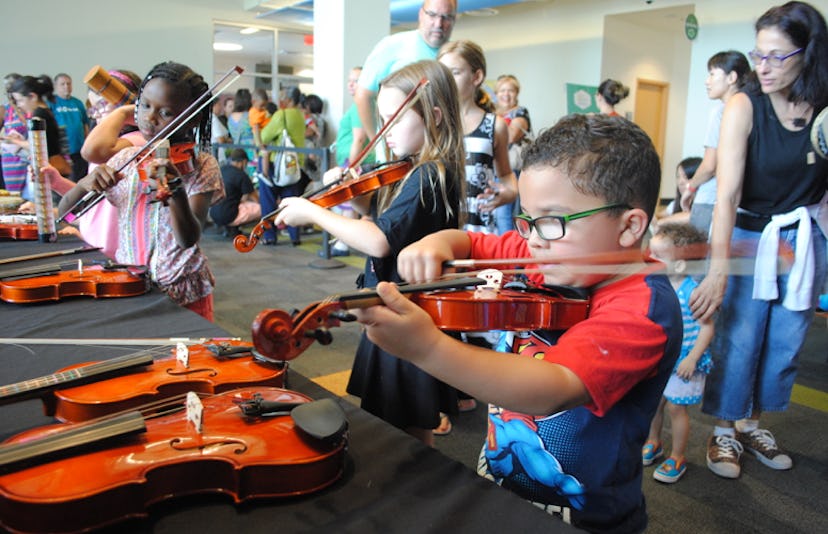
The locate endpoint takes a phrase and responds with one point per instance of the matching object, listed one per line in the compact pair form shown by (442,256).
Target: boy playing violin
(568,419)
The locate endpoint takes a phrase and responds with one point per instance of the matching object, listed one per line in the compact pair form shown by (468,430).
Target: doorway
(651,110)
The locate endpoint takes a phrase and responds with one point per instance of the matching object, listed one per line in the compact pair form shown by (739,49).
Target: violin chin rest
(323,419)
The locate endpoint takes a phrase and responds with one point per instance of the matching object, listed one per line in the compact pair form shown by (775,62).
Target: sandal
(445,426)
(467,405)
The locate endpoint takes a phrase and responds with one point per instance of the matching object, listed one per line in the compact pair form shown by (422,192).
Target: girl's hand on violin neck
(100,179)
(158,166)
(400,327)
(296,211)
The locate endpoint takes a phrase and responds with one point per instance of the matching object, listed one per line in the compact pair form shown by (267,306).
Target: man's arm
(364,100)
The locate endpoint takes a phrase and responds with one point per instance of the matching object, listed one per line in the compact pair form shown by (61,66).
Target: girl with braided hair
(164,236)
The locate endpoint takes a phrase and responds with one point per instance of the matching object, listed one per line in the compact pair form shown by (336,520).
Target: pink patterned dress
(146,235)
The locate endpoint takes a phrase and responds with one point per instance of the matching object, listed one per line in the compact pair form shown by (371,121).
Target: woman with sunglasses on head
(770,185)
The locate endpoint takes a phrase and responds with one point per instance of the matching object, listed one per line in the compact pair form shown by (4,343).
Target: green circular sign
(691,26)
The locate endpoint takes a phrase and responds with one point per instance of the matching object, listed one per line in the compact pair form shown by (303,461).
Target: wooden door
(651,110)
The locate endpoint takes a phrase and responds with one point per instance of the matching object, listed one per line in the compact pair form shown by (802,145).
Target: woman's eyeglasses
(775,61)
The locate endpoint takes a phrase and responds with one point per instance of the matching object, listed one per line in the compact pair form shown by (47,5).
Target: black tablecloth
(392,482)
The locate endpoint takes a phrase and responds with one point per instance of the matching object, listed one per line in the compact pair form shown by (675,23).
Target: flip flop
(445,426)
(467,405)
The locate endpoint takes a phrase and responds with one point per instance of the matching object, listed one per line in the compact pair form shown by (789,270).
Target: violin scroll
(244,243)
(278,335)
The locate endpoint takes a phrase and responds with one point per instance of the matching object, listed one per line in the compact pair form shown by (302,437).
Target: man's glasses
(775,61)
(552,227)
(433,15)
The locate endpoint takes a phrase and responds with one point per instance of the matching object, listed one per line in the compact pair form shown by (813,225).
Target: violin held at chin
(332,195)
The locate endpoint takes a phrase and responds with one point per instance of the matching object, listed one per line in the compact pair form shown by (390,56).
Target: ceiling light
(249,31)
(227,47)
(482,12)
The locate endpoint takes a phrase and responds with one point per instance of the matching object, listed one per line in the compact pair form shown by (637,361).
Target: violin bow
(92,198)
(67,252)
(410,99)
(149,342)
(611,263)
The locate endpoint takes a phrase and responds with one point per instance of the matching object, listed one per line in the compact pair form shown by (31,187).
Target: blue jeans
(503,216)
(269,198)
(756,345)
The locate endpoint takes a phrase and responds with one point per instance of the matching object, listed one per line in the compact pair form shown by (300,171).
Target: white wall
(50,36)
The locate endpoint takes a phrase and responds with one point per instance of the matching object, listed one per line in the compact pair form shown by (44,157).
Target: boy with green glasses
(569,410)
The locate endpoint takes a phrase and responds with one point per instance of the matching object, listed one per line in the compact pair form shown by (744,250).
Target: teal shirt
(70,115)
(345,137)
(393,53)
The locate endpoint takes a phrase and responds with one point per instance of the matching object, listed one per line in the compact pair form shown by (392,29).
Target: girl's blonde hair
(476,59)
(442,155)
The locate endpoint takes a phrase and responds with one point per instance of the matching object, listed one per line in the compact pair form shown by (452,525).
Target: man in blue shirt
(435,23)
(70,114)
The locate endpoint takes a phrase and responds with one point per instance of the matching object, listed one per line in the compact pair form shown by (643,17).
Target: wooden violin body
(212,368)
(98,283)
(22,232)
(366,183)
(245,457)
(18,227)
(277,334)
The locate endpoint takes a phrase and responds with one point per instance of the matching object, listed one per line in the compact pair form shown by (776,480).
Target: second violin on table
(53,283)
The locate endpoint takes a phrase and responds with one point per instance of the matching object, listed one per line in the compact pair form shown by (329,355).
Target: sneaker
(651,452)
(670,471)
(762,444)
(723,454)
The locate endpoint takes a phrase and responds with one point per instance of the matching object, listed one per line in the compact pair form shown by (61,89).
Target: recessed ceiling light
(227,47)
(249,31)
(482,12)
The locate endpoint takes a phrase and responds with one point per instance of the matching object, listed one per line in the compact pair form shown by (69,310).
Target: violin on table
(249,443)
(95,389)
(471,304)
(18,227)
(55,282)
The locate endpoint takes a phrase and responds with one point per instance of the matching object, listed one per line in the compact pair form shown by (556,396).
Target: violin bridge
(493,278)
(195,411)
(182,354)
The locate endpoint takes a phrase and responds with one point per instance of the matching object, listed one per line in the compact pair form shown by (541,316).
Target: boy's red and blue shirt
(585,463)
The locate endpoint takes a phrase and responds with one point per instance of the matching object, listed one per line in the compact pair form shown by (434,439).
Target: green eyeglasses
(552,227)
